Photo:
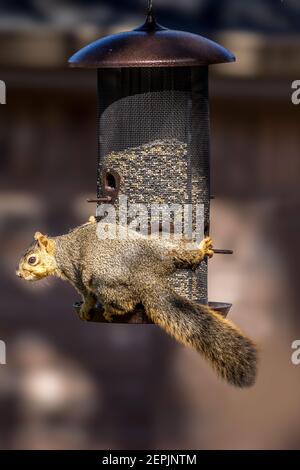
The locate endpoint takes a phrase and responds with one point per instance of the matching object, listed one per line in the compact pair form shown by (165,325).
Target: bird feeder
(153,126)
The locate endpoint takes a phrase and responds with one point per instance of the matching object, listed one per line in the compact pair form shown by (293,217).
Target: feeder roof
(151,45)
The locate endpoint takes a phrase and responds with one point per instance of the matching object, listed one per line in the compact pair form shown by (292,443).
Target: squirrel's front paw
(84,314)
(107,314)
(206,246)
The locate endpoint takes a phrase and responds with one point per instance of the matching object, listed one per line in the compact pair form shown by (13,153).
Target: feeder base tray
(138,316)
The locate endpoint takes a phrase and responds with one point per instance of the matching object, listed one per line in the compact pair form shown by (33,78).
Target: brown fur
(122,274)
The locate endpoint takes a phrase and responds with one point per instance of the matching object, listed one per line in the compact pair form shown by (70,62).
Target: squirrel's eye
(32,260)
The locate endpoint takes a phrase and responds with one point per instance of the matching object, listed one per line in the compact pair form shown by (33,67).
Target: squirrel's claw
(206,246)
(108,316)
(84,314)
(85,309)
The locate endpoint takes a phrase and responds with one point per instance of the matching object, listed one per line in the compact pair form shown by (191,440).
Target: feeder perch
(153,127)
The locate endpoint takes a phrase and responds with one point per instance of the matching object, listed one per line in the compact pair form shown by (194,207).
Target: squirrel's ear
(44,242)
(37,235)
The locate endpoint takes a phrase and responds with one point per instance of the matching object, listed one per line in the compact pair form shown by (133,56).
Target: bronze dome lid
(151,45)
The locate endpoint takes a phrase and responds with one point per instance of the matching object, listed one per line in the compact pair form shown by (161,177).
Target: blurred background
(71,385)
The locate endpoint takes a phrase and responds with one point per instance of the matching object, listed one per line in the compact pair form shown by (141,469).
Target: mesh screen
(154,131)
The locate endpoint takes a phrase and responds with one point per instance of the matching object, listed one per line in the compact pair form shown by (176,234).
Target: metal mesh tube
(154,132)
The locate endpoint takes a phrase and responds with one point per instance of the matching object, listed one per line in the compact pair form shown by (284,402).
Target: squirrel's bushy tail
(229,352)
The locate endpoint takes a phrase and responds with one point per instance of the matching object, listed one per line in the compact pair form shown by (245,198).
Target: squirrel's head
(39,260)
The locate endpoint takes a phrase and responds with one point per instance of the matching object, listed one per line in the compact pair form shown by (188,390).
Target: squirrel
(124,273)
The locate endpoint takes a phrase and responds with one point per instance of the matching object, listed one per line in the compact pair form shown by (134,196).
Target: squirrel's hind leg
(117,299)
(112,310)
(191,259)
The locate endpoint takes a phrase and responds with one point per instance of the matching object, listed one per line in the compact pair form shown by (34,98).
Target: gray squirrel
(124,273)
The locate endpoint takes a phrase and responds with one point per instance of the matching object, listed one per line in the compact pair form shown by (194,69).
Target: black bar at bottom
(134,459)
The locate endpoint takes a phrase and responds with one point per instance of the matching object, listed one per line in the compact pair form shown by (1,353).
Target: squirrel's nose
(18,274)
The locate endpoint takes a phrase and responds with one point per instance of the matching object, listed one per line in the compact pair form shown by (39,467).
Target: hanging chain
(150,6)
